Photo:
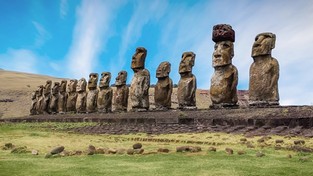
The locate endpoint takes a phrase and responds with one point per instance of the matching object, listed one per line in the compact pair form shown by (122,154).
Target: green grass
(45,136)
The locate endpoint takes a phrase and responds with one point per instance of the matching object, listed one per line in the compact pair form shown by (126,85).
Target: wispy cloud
(92,31)
(21,60)
(144,12)
(63,8)
(42,34)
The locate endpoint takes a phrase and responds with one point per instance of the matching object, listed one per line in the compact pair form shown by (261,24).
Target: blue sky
(71,38)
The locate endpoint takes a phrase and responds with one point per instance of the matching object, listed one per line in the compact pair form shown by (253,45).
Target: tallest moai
(223,90)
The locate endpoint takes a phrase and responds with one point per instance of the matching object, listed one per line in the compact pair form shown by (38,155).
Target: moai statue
(139,89)
(92,94)
(264,72)
(104,103)
(40,100)
(223,90)
(62,97)
(71,96)
(121,94)
(47,96)
(81,96)
(164,87)
(33,109)
(187,85)
(53,104)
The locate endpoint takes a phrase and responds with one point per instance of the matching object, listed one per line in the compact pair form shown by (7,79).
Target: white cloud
(42,34)
(63,8)
(21,60)
(92,31)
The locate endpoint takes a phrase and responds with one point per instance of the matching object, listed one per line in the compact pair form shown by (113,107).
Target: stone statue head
(72,85)
(138,59)
(93,80)
(223,53)
(47,88)
(121,78)
(223,32)
(55,89)
(105,79)
(187,62)
(63,85)
(163,70)
(81,85)
(263,44)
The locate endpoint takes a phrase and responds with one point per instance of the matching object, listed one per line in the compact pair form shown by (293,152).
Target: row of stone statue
(263,85)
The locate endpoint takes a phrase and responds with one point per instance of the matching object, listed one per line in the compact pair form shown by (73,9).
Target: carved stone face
(105,79)
(72,85)
(55,88)
(163,70)
(93,80)
(39,91)
(121,78)
(81,85)
(47,88)
(63,86)
(263,44)
(223,53)
(138,59)
(187,62)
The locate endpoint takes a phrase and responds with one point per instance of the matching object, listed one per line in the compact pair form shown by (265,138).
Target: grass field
(45,136)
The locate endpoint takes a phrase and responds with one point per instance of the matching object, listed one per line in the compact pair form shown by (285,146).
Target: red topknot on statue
(223,32)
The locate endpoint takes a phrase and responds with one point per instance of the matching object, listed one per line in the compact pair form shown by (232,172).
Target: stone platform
(284,120)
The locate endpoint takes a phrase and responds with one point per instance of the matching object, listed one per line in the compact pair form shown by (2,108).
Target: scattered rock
(100,151)
(249,145)
(57,150)
(278,147)
(20,150)
(163,150)
(91,150)
(304,159)
(212,149)
(229,151)
(65,153)
(188,149)
(138,151)
(137,146)
(112,151)
(78,152)
(260,154)
(241,152)
(35,152)
(150,153)
(130,151)
(278,141)
(195,149)
(261,140)
(8,146)
(298,148)
(289,156)
(299,142)
(121,151)
(243,139)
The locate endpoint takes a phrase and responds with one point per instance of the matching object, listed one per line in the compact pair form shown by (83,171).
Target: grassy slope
(204,163)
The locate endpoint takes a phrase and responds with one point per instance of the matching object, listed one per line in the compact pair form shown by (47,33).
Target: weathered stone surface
(223,90)
(104,102)
(264,72)
(92,95)
(163,150)
(40,100)
(139,89)
(62,97)
(212,149)
(47,96)
(91,150)
(57,150)
(35,152)
(187,86)
(164,87)
(53,104)
(71,96)
(121,93)
(20,150)
(229,151)
(33,110)
(81,96)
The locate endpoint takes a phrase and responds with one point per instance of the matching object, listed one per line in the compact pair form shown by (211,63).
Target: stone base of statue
(138,110)
(224,106)
(262,104)
(105,110)
(187,108)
